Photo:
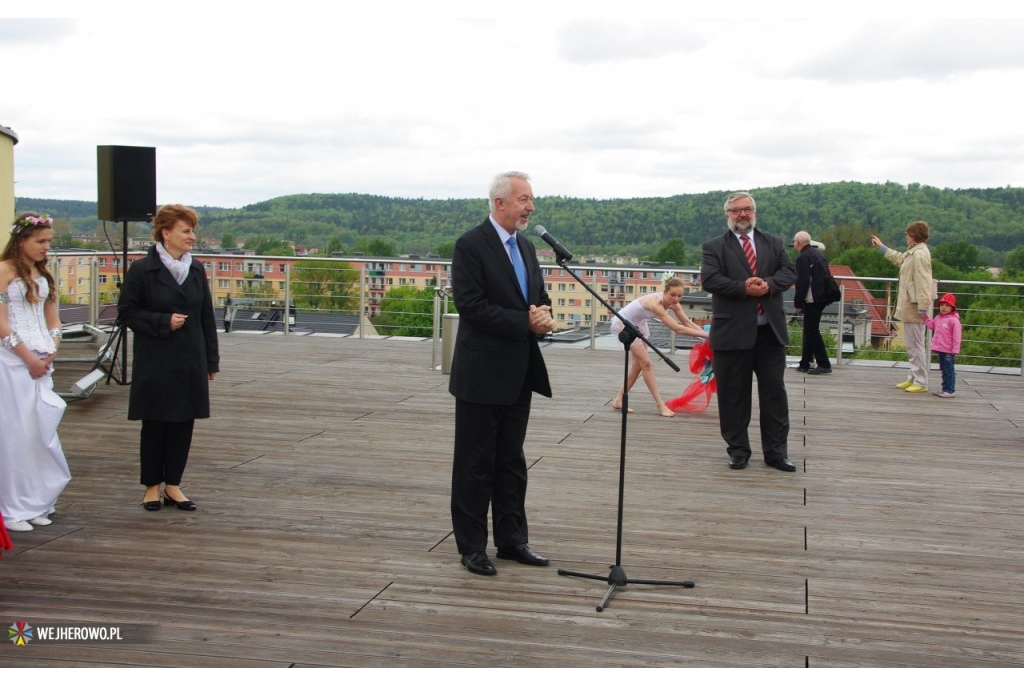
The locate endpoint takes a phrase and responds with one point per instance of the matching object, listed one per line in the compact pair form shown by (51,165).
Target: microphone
(561,254)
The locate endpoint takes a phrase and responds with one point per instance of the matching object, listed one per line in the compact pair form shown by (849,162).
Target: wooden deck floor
(323,536)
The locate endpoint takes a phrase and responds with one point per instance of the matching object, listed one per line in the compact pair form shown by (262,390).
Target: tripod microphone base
(616,578)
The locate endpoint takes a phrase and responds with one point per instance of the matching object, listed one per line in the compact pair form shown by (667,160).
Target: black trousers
(814,344)
(734,372)
(163,451)
(489,470)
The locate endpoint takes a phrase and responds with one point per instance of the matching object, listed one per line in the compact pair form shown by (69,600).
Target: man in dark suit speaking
(746,271)
(497,366)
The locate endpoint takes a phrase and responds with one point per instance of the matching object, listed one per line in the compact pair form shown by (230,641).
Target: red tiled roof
(856,292)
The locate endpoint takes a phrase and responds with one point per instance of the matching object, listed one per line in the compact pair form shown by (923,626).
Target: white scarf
(178,267)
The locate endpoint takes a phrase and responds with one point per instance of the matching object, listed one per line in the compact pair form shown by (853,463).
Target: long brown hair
(24,227)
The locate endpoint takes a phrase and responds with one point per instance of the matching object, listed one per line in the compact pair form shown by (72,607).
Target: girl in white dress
(33,470)
(639,312)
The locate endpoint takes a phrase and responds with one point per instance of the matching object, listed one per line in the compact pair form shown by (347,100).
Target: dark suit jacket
(170,370)
(723,272)
(811,267)
(495,351)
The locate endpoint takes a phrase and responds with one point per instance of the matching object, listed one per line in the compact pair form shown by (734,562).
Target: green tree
(1015,261)
(673,251)
(269,245)
(961,255)
(843,237)
(333,245)
(327,285)
(408,311)
(446,249)
(376,247)
(866,261)
(228,241)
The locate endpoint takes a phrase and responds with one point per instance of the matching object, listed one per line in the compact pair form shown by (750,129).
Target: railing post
(94,295)
(362,299)
(841,327)
(287,297)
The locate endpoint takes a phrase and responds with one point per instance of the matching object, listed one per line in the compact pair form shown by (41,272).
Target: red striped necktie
(748,250)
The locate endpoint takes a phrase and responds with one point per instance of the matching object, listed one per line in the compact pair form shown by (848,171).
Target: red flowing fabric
(5,539)
(697,396)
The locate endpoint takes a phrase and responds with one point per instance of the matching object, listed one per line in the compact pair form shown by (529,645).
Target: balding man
(811,267)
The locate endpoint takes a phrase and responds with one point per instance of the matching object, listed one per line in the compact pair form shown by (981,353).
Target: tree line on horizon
(987,219)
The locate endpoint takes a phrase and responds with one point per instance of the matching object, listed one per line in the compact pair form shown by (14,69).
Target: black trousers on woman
(163,451)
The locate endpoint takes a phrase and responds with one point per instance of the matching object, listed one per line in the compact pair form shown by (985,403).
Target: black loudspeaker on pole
(126,191)
(126,182)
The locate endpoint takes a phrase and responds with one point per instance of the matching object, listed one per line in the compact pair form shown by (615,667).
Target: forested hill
(990,219)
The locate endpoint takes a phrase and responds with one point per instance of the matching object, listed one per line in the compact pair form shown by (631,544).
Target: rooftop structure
(323,535)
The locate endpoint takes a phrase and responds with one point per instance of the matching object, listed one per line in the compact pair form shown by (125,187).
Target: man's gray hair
(736,196)
(501,186)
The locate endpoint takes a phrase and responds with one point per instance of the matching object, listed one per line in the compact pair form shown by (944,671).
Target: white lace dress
(33,470)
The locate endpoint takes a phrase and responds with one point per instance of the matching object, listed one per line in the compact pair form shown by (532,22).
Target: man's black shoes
(783,464)
(477,562)
(819,371)
(738,462)
(523,554)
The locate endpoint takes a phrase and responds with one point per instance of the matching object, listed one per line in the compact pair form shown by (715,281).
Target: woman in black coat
(166,302)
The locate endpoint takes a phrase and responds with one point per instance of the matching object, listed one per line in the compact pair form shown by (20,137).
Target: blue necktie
(517,264)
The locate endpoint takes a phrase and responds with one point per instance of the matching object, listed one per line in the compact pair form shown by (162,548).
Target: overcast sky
(245,109)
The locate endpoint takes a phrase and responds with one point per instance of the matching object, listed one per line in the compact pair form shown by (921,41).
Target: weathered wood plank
(323,536)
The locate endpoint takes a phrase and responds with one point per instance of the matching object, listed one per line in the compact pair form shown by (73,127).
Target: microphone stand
(616,576)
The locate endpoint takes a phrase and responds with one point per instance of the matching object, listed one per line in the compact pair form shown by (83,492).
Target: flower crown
(31,221)
(667,276)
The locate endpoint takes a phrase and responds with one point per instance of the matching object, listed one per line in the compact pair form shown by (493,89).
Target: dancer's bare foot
(617,406)
(665,411)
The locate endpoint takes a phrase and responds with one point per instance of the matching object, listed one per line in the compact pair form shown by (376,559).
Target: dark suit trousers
(734,372)
(490,470)
(163,451)
(814,344)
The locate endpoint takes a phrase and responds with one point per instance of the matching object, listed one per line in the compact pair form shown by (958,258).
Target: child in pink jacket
(946,332)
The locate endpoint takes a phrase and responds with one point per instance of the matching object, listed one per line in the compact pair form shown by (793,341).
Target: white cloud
(241,110)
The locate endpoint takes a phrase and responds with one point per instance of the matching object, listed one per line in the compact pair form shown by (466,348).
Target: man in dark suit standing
(747,271)
(497,366)
(809,298)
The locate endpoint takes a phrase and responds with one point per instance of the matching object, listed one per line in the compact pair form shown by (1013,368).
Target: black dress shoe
(477,562)
(523,554)
(819,371)
(187,505)
(783,464)
(153,505)
(738,462)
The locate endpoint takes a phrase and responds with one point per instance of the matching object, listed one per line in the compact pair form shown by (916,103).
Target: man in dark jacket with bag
(811,298)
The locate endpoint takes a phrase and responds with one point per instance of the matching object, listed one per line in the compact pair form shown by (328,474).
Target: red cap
(948,298)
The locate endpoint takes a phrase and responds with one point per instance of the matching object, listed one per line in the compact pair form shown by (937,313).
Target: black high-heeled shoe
(152,505)
(187,505)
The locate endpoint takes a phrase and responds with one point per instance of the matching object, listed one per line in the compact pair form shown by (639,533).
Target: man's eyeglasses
(741,210)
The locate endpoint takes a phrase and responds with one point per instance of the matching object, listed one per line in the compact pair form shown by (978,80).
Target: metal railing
(333,296)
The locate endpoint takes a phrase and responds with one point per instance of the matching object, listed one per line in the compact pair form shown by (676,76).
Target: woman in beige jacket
(913,301)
